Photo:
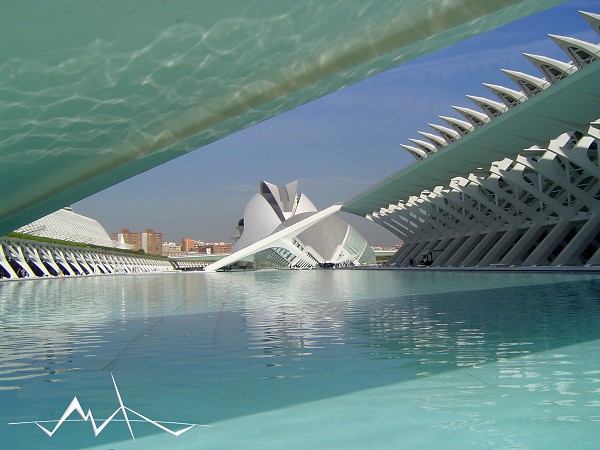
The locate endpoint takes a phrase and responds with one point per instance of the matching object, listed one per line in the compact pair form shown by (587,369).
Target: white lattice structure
(541,208)
(67,225)
(21,258)
(516,183)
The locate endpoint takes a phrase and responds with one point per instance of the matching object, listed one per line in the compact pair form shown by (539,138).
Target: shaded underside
(93,95)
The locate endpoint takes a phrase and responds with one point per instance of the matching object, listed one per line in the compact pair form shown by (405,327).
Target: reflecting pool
(303,359)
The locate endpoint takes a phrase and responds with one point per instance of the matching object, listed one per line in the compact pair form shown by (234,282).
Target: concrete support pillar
(5,264)
(48,258)
(482,248)
(595,259)
(516,253)
(550,169)
(402,254)
(578,154)
(80,258)
(60,259)
(540,255)
(395,229)
(89,260)
(33,256)
(569,255)
(418,251)
(464,249)
(15,252)
(494,254)
(450,249)
(72,258)
(107,262)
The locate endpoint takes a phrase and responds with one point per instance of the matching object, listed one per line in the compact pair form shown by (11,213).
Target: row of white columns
(540,208)
(20,259)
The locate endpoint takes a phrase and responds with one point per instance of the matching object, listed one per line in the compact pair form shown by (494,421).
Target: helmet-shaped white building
(329,242)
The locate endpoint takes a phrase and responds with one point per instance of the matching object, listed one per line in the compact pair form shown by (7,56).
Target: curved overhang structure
(113,91)
(528,83)
(509,97)
(522,189)
(569,105)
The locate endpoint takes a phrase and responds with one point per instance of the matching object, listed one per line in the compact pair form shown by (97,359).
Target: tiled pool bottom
(305,359)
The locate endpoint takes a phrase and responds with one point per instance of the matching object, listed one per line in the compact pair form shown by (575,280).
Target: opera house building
(329,242)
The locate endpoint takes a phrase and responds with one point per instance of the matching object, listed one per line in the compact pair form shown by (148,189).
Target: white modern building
(281,228)
(514,182)
(66,225)
(23,257)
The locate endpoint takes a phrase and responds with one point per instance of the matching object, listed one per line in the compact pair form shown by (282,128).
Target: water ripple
(472,350)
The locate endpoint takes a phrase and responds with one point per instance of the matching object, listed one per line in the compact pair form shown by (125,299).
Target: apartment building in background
(149,240)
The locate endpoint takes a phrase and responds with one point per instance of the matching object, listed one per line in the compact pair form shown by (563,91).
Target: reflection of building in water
(297,325)
(35,340)
(21,257)
(328,242)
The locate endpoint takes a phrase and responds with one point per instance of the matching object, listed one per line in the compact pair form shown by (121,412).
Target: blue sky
(336,146)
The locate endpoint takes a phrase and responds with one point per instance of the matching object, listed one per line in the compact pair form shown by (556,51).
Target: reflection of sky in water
(112,86)
(446,352)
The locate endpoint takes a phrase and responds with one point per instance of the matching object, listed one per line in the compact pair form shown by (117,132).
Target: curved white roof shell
(90,102)
(461,126)
(268,209)
(528,83)
(581,52)
(552,69)
(67,225)
(510,97)
(282,228)
(592,19)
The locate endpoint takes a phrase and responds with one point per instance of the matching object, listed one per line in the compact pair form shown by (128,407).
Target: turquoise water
(305,359)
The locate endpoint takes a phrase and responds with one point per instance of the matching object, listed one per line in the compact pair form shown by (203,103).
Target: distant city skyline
(336,146)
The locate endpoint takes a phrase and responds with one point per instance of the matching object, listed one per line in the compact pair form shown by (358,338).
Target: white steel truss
(517,183)
(540,208)
(20,258)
